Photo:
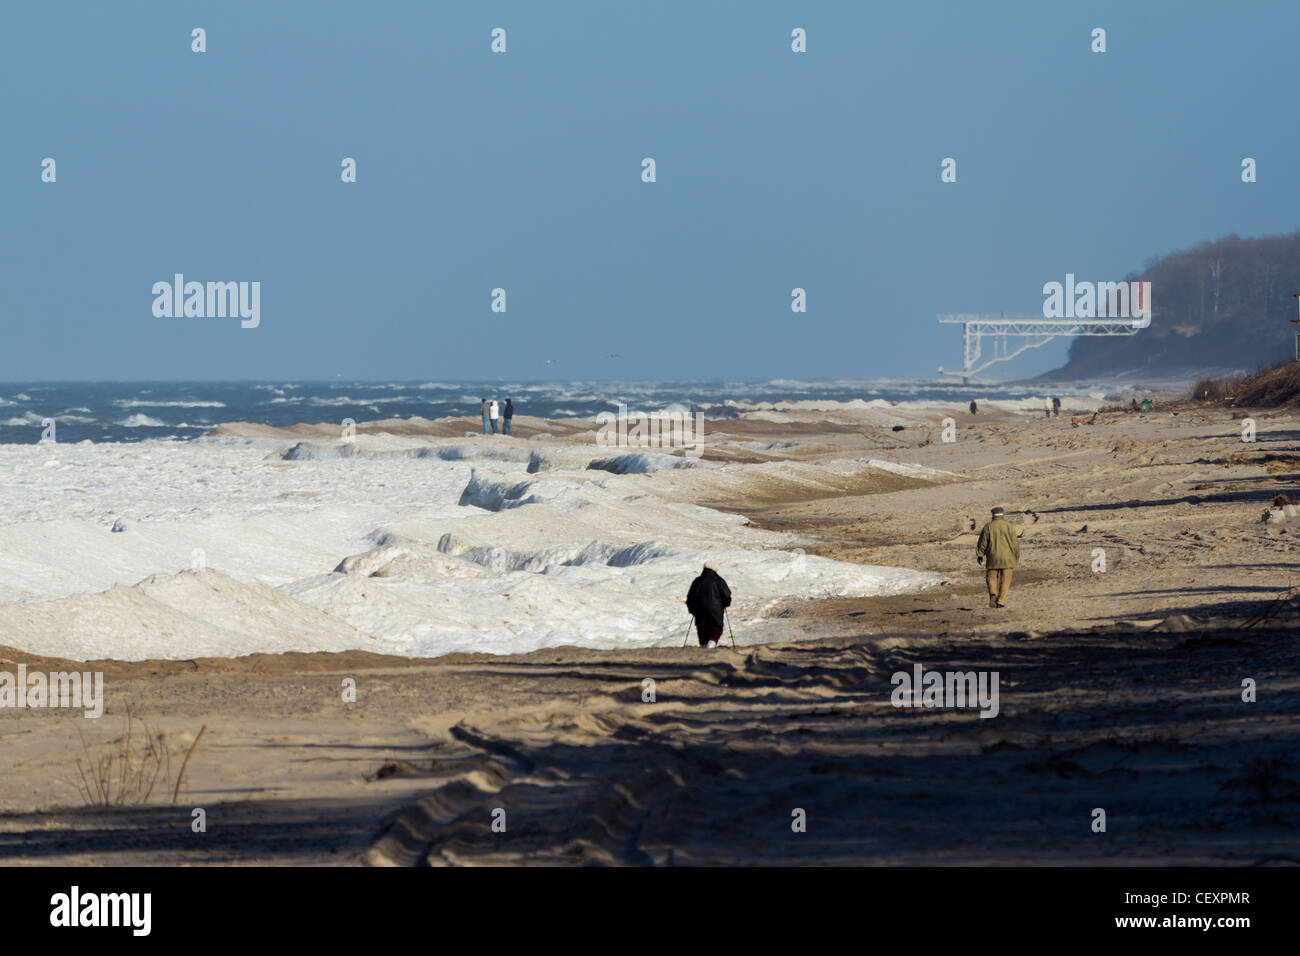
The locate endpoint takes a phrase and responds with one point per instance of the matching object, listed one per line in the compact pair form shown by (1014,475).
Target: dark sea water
(139,411)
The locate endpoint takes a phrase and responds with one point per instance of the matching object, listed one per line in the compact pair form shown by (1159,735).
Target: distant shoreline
(133,412)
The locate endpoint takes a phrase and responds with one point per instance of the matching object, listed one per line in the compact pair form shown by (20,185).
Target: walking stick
(688,631)
(729,630)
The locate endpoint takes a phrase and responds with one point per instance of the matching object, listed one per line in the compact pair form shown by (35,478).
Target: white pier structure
(1036,330)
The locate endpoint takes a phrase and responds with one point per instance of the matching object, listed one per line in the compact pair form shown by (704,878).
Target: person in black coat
(707,600)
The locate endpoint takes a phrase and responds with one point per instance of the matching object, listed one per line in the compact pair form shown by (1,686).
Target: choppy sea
(177,411)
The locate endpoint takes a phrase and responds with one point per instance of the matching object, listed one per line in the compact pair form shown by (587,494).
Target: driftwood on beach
(1094,419)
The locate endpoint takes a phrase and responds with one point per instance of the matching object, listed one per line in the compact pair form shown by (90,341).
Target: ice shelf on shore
(392,544)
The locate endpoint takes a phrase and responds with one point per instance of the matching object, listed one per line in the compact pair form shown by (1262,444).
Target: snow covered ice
(398,545)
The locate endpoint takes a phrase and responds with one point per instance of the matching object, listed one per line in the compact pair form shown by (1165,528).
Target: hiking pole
(688,631)
(729,630)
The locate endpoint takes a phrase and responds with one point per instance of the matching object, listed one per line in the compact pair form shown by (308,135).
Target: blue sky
(523,171)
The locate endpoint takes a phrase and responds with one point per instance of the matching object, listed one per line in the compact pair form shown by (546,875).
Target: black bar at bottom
(338,906)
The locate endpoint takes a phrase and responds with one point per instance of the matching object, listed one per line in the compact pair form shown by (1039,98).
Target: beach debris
(118,525)
(395,768)
(1286,600)
(186,762)
(897,428)
(1077,420)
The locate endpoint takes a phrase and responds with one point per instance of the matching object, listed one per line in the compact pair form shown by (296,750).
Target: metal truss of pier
(1037,330)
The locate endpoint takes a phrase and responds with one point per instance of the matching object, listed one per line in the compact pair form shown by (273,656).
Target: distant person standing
(999,551)
(507,416)
(708,600)
(973,407)
(494,412)
(1047,407)
(483,408)
(1056,406)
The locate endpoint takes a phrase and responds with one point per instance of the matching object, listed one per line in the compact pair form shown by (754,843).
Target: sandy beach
(850,544)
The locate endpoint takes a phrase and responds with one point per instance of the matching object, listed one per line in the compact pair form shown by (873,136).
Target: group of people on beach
(494,412)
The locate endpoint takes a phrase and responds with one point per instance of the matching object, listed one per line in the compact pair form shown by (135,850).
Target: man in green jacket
(999,551)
